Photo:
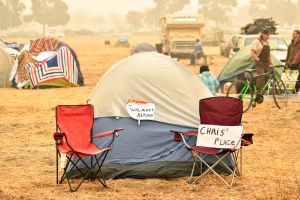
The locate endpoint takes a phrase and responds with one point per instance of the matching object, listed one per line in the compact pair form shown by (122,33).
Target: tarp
(6,63)
(47,62)
(59,66)
(43,44)
(239,62)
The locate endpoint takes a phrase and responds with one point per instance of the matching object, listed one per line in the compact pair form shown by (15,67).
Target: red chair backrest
(76,121)
(223,111)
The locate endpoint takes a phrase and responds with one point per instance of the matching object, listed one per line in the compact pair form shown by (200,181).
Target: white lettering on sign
(219,136)
(140,110)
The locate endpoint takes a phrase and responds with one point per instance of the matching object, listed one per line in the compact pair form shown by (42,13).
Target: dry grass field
(271,168)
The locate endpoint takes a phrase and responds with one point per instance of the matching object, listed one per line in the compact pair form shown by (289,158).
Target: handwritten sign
(219,136)
(140,110)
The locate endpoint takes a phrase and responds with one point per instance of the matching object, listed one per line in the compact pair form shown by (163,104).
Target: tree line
(44,12)
(219,11)
(55,12)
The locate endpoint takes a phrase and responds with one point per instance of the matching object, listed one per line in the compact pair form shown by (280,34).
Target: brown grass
(270,171)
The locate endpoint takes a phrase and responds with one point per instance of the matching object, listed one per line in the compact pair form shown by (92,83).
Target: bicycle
(248,93)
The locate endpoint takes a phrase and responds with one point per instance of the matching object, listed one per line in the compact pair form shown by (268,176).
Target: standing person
(208,79)
(261,53)
(292,60)
(197,52)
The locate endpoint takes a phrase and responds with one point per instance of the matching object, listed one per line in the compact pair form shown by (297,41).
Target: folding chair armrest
(178,135)
(114,133)
(108,133)
(247,139)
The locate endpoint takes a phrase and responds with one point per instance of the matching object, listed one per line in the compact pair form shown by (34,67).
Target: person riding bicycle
(261,53)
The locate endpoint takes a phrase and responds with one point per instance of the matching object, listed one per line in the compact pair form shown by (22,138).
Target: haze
(140,15)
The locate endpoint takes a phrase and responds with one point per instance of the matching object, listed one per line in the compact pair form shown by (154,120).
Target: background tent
(239,62)
(6,63)
(47,62)
(122,42)
(142,47)
(148,150)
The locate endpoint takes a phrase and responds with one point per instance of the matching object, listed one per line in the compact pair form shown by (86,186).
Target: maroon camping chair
(74,139)
(223,111)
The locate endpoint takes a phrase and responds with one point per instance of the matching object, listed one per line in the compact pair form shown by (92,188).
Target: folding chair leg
(103,183)
(241,160)
(70,186)
(66,174)
(233,176)
(195,164)
(211,169)
(99,169)
(201,166)
(93,170)
(91,178)
(67,166)
(238,165)
(192,173)
(56,167)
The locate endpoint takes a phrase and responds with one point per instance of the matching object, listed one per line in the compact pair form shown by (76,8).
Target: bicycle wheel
(243,91)
(279,94)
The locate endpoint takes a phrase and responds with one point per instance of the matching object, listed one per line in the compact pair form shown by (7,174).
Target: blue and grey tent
(239,62)
(148,150)
(142,47)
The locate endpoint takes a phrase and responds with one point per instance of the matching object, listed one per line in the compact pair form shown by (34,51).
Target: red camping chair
(223,111)
(74,138)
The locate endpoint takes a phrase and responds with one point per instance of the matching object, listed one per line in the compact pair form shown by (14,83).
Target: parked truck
(179,33)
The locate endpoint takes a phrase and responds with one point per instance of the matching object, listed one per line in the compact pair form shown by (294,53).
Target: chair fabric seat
(207,150)
(90,150)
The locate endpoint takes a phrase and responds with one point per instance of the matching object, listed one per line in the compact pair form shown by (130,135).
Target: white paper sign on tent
(219,136)
(140,110)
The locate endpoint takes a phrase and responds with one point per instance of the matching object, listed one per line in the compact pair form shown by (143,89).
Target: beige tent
(6,63)
(146,148)
(153,77)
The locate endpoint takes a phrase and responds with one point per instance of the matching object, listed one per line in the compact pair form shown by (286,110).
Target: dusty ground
(270,171)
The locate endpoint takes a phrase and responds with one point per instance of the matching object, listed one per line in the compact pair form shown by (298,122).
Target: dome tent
(148,150)
(6,63)
(142,47)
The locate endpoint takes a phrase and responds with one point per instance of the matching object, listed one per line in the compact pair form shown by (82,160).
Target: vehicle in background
(277,44)
(14,53)
(226,46)
(179,33)
(258,25)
